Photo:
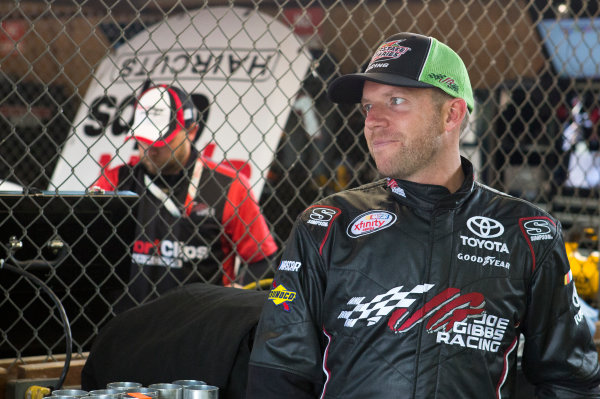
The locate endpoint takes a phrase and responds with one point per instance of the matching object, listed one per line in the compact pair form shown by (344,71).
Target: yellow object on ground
(585,270)
(36,392)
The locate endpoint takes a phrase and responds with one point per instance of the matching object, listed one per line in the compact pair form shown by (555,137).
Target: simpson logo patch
(322,216)
(201,210)
(538,229)
(281,296)
(370,222)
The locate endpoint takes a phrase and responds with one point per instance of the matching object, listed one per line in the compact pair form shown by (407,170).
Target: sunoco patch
(281,296)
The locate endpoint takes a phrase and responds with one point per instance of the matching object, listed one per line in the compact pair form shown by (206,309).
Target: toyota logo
(485,227)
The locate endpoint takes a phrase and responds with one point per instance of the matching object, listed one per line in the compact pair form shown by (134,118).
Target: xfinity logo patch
(370,222)
(485,227)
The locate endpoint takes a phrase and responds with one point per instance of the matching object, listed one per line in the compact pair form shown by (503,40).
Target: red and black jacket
(224,220)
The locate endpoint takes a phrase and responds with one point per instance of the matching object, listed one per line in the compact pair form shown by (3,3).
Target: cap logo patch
(153,110)
(390,50)
(445,80)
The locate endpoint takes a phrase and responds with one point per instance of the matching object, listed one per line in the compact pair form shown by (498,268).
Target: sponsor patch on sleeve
(568,277)
(370,222)
(536,230)
(322,215)
(281,296)
(320,220)
(289,265)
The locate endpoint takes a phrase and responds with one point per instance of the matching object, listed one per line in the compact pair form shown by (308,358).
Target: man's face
(403,129)
(168,159)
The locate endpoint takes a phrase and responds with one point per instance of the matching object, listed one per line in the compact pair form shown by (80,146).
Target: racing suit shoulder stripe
(324,216)
(522,226)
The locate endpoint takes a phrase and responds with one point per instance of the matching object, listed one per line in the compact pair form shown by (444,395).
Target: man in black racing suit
(420,285)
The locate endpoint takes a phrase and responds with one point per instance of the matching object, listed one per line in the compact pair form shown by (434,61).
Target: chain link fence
(257,70)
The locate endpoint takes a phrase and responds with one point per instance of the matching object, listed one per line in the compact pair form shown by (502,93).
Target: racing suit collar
(429,196)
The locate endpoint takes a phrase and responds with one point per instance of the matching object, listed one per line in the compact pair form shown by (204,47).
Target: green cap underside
(444,69)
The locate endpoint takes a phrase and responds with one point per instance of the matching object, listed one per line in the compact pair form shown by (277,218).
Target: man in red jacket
(194,215)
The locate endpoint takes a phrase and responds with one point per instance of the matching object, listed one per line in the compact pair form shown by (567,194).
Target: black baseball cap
(161,112)
(408,60)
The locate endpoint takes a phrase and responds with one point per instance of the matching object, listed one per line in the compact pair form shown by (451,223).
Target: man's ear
(455,110)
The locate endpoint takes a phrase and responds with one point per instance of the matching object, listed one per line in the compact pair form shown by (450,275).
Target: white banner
(243,66)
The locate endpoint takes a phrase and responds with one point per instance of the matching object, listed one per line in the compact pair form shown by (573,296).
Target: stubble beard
(166,166)
(413,157)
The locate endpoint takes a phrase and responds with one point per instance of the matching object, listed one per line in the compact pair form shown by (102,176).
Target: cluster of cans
(180,389)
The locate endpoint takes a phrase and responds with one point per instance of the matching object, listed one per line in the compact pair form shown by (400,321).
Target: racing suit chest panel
(419,293)
(411,313)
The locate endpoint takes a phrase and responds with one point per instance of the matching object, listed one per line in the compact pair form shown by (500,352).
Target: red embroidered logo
(443,310)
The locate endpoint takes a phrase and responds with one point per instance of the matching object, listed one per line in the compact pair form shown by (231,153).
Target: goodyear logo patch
(281,296)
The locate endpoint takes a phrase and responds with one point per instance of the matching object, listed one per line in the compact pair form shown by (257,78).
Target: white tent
(245,65)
